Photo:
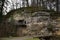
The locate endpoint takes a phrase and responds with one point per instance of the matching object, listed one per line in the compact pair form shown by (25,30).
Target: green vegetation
(32,39)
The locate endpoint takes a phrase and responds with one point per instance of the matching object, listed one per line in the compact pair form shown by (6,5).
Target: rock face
(57,26)
(35,24)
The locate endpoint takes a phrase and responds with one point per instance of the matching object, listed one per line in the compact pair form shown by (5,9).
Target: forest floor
(19,38)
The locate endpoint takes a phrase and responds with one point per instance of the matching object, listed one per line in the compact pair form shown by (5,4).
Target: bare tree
(23,3)
(57,7)
(12,4)
(6,3)
(1,8)
(27,3)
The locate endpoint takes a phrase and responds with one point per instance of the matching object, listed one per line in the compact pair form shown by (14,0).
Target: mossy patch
(32,39)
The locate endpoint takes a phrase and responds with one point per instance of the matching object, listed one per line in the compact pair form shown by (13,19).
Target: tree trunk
(27,3)
(1,9)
